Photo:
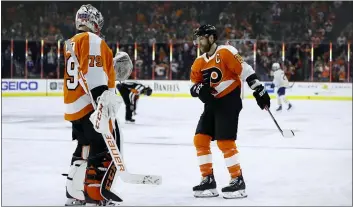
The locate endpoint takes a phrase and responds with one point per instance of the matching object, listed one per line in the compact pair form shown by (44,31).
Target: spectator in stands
(298,24)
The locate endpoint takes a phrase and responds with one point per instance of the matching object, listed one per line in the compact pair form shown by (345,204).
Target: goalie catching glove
(107,108)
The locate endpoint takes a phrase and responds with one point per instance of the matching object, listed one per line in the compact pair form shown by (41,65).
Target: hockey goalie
(91,172)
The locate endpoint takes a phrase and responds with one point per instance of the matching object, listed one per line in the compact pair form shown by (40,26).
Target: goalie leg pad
(100,166)
(107,184)
(94,177)
(77,172)
(75,179)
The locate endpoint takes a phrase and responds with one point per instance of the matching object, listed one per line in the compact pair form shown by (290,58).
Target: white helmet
(276,66)
(90,17)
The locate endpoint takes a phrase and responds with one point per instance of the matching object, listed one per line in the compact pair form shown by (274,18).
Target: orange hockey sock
(202,143)
(230,153)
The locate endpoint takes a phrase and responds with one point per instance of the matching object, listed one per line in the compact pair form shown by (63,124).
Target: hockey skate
(74,202)
(207,188)
(71,201)
(279,108)
(289,107)
(235,189)
(130,121)
(102,203)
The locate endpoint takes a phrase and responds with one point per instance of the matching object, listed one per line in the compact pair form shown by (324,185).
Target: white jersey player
(281,82)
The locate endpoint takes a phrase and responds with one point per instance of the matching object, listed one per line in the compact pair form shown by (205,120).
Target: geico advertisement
(19,85)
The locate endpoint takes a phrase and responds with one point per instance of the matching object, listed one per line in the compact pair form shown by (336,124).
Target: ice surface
(313,168)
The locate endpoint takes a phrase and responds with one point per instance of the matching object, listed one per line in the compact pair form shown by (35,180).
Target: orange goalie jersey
(225,69)
(96,63)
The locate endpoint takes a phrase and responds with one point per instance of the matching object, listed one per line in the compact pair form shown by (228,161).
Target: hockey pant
(129,100)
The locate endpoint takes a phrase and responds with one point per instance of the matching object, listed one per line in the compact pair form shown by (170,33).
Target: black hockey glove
(260,93)
(203,91)
(206,75)
(147,91)
(262,97)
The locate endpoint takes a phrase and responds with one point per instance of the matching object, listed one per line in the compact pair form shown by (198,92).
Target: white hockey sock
(284,99)
(279,100)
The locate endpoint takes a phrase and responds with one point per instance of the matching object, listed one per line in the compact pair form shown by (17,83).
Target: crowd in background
(264,25)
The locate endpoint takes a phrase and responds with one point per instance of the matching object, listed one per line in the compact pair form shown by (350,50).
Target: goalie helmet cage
(247,49)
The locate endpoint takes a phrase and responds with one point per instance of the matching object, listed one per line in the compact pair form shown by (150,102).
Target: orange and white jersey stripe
(96,63)
(226,69)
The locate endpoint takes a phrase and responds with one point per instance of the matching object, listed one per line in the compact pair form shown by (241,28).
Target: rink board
(165,88)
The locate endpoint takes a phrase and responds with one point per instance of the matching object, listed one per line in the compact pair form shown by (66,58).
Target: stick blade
(141,179)
(288,133)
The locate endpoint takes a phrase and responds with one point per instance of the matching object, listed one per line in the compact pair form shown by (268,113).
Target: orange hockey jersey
(96,63)
(225,67)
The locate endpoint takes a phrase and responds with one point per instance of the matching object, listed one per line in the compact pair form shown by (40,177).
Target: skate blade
(129,122)
(235,194)
(74,202)
(102,204)
(206,193)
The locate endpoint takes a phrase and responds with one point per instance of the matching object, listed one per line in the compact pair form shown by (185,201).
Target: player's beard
(206,48)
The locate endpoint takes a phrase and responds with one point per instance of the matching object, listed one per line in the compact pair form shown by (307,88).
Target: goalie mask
(122,66)
(90,17)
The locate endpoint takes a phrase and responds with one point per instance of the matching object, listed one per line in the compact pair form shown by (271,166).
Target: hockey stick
(285,133)
(291,85)
(110,142)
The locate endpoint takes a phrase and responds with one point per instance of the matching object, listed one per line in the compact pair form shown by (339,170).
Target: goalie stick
(111,144)
(285,133)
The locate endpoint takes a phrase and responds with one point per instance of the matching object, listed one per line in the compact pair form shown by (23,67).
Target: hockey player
(130,91)
(280,80)
(91,159)
(216,76)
